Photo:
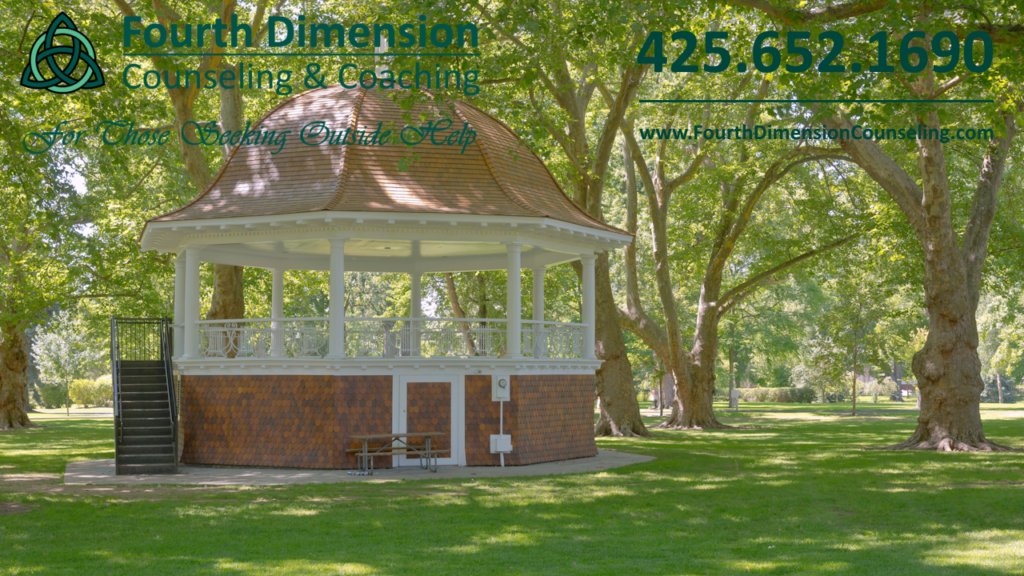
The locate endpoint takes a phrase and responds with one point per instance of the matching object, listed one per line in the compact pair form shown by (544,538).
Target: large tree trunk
(458,312)
(948,369)
(695,388)
(619,409)
(228,300)
(13,378)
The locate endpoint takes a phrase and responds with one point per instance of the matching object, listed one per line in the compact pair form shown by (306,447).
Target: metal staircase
(145,413)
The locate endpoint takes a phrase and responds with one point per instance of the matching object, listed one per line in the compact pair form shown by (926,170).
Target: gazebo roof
(497,175)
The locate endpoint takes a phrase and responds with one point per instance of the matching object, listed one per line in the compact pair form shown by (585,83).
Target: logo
(80,54)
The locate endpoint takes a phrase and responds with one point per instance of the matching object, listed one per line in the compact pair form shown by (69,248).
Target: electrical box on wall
(501,443)
(501,387)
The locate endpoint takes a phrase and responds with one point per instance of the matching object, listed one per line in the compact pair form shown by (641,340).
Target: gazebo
(291,392)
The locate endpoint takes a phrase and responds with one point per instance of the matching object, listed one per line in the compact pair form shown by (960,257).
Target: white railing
(300,338)
(552,339)
(385,338)
(425,337)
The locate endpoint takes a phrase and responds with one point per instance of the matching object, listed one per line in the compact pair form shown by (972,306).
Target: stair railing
(166,347)
(115,377)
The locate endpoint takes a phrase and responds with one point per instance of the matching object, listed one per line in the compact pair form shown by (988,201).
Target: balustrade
(387,338)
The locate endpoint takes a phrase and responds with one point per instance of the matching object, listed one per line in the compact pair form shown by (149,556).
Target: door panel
(428,404)
(429,407)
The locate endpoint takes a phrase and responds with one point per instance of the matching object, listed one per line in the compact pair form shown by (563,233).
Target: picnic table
(395,445)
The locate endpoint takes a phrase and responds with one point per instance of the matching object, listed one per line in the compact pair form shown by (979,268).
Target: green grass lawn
(794,496)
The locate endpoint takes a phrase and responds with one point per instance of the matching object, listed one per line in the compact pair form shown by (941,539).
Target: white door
(427,403)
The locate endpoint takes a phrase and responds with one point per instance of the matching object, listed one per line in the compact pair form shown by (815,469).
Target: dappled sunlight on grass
(798,496)
(297,567)
(989,549)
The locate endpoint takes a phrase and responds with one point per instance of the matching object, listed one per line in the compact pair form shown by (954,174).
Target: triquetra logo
(78,55)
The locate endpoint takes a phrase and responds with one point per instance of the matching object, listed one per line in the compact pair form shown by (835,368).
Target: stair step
(131,410)
(148,422)
(143,372)
(143,395)
(164,431)
(145,450)
(129,388)
(148,441)
(140,380)
(128,405)
(145,459)
(126,469)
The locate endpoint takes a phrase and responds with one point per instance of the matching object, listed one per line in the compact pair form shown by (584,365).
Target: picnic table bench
(396,445)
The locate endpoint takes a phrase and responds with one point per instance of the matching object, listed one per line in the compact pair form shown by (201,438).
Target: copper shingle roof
(497,175)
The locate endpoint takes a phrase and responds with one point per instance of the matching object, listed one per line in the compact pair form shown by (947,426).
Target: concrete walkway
(102,472)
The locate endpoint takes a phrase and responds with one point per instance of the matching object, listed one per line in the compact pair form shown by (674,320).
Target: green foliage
(63,350)
(884,387)
(52,395)
(785,395)
(88,393)
(991,392)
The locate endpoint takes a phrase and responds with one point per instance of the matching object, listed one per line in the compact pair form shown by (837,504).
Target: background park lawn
(794,496)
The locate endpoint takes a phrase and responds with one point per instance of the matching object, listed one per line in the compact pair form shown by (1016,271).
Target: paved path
(102,472)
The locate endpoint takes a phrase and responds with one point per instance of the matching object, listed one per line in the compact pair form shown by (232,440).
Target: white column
(276,313)
(179,304)
(416,310)
(588,305)
(191,303)
(336,339)
(540,345)
(513,303)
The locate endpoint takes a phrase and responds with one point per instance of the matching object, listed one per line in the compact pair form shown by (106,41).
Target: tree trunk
(13,378)
(999,386)
(458,312)
(695,393)
(948,369)
(228,300)
(732,370)
(619,409)
(853,391)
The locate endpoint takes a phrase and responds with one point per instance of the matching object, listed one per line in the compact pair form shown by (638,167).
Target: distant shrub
(52,396)
(789,395)
(88,393)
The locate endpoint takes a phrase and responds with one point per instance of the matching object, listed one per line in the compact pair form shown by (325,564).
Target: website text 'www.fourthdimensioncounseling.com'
(857,132)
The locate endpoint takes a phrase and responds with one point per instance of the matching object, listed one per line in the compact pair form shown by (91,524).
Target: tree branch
(974,247)
(793,17)
(741,291)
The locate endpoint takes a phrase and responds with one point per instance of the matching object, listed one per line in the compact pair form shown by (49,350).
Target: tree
(884,386)
(228,299)
(64,352)
(38,249)
(820,367)
(745,183)
(947,368)
(562,68)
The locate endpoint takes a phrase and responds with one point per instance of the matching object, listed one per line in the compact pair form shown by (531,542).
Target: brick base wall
(308,421)
(549,418)
(281,421)
(555,418)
